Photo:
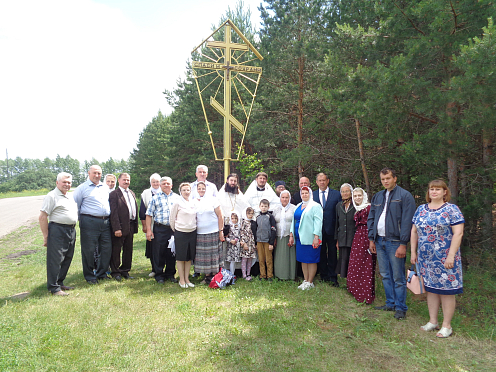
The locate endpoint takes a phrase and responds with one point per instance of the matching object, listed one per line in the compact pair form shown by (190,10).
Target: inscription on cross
(228,49)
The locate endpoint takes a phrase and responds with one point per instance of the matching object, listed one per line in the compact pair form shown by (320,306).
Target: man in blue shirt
(92,198)
(164,263)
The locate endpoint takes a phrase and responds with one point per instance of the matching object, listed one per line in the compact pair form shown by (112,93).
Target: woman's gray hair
(155,176)
(285,192)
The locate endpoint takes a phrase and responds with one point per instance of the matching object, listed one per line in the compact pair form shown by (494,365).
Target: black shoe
(128,277)
(270,279)
(118,278)
(385,308)
(334,284)
(91,281)
(105,278)
(174,280)
(195,275)
(399,314)
(160,281)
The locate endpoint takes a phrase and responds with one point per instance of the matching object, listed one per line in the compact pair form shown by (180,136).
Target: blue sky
(84,77)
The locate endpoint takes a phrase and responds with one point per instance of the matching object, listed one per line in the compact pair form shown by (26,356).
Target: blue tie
(323,199)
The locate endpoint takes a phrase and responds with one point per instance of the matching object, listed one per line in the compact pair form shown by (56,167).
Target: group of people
(287,234)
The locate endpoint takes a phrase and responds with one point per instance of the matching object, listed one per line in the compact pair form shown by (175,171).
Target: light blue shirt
(92,199)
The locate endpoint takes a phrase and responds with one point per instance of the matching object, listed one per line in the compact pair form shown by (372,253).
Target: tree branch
(413,24)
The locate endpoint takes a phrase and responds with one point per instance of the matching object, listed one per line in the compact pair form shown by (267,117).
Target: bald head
(95,174)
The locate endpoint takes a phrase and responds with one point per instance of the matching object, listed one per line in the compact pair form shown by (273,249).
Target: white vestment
(231,202)
(253,196)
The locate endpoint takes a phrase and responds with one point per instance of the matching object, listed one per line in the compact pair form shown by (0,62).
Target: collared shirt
(92,199)
(128,197)
(160,206)
(326,192)
(381,225)
(211,189)
(60,208)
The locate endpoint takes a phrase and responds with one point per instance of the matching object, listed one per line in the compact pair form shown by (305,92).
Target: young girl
(233,247)
(247,241)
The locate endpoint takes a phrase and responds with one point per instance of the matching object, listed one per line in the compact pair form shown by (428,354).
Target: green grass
(138,325)
(14,194)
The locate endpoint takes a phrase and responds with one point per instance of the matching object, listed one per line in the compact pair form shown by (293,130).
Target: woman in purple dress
(437,231)
(361,269)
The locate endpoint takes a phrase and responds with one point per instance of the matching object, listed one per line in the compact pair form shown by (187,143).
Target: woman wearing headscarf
(361,269)
(210,224)
(345,228)
(183,222)
(306,231)
(285,254)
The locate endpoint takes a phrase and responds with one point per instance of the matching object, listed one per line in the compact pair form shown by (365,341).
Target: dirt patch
(15,255)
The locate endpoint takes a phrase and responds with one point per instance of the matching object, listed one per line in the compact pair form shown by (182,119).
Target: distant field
(23,193)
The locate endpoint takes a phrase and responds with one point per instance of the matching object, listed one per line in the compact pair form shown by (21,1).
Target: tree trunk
(487,219)
(301,67)
(453,178)
(362,157)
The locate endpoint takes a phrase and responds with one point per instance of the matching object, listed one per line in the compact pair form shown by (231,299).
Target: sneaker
(248,277)
(151,275)
(399,314)
(384,308)
(302,284)
(308,286)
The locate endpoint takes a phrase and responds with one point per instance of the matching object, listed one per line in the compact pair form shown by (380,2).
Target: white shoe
(309,286)
(302,285)
(151,275)
(191,285)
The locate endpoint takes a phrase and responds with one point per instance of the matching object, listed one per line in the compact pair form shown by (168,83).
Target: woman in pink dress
(361,269)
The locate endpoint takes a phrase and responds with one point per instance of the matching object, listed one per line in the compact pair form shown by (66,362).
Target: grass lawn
(14,194)
(138,325)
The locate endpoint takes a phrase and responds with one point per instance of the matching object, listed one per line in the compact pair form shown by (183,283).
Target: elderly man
(280,187)
(94,225)
(164,263)
(328,199)
(389,226)
(146,196)
(296,198)
(124,223)
(201,175)
(110,181)
(59,235)
(259,189)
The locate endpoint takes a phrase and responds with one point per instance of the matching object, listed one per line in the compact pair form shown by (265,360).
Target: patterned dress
(361,269)
(246,236)
(233,249)
(435,235)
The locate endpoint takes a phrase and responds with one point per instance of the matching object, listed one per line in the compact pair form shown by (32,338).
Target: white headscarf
(365,201)
(283,212)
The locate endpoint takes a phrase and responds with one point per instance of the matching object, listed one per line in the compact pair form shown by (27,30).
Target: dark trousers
(60,250)
(162,255)
(95,232)
(122,244)
(328,258)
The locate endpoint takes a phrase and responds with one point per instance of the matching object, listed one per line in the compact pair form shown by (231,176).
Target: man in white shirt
(124,223)
(59,235)
(201,175)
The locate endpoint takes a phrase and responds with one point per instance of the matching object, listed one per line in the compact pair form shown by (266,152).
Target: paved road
(17,212)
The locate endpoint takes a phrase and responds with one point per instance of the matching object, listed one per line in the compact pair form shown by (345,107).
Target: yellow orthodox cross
(226,62)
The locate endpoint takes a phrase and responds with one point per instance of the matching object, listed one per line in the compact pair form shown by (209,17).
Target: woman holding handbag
(437,231)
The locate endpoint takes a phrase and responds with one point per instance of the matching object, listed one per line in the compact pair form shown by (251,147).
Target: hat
(279,183)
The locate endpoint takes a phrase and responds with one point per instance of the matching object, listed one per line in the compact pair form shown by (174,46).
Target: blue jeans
(392,270)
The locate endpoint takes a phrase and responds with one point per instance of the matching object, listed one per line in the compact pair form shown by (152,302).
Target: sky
(84,77)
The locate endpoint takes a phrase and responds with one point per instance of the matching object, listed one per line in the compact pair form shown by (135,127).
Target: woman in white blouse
(183,222)
(209,234)
(285,254)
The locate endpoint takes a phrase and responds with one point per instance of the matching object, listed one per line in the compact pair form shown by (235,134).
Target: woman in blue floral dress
(437,231)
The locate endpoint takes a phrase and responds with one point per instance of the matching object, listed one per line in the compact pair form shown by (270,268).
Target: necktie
(323,199)
(131,214)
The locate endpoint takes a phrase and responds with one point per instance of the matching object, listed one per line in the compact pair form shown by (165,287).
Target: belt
(63,224)
(99,217)
(161,224)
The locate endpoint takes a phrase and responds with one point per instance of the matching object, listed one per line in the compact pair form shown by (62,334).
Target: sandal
(429,327)
(444,332)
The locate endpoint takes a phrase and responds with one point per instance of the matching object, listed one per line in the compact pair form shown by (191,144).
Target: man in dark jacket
(389,225)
